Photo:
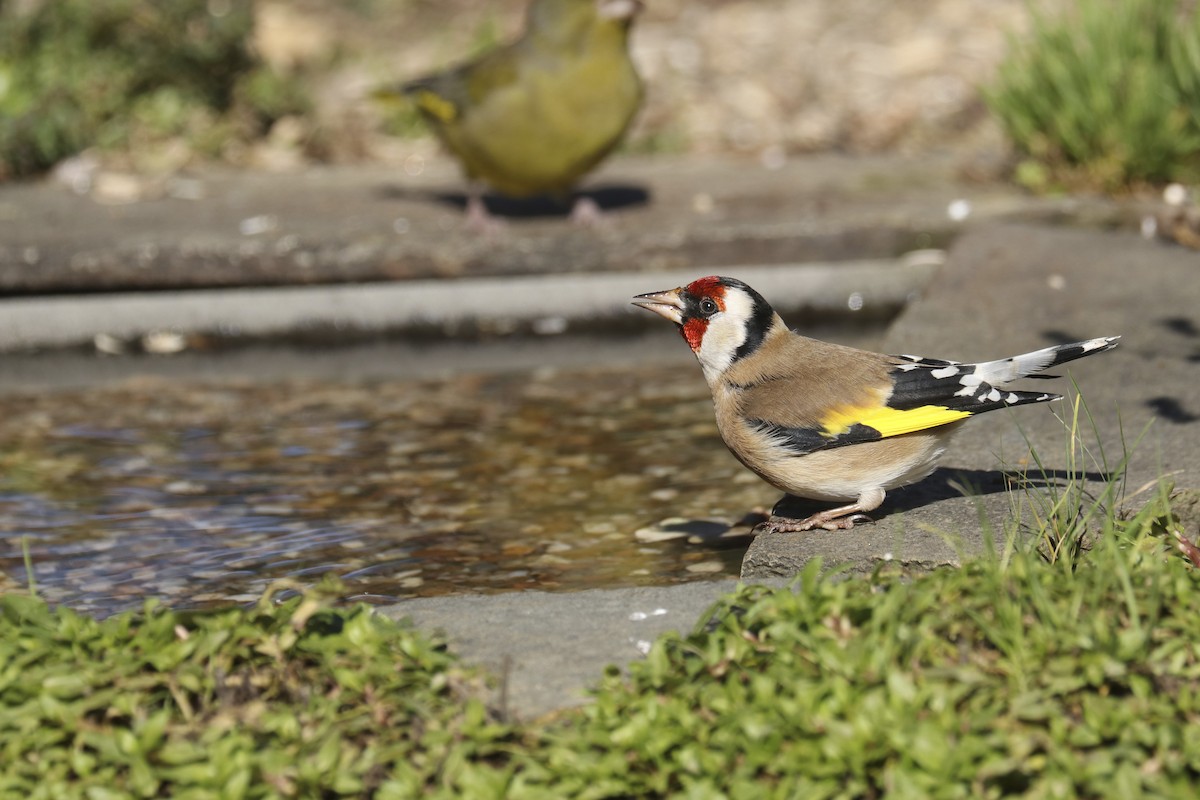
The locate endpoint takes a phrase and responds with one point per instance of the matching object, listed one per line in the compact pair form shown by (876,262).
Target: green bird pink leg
(479,219)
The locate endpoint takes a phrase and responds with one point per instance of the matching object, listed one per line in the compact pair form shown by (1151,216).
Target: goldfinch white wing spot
(944,372)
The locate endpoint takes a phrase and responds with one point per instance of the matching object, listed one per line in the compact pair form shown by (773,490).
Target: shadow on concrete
(1185,327)
(945,484)
(1181,325)
(1171,409)
(1056,336)
(609,197)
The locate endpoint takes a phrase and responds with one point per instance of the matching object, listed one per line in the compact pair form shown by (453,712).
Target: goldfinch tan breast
(834,423)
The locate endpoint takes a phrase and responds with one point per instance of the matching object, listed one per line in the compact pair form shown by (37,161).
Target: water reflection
(201,494)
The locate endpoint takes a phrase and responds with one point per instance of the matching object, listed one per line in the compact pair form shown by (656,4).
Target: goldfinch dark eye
(708,307)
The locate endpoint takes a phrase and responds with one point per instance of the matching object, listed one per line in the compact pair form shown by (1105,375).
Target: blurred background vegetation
(123,74)
(1105,96)
(1092,94)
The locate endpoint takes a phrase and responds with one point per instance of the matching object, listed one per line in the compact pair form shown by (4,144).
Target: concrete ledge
(546,648)
(548,303)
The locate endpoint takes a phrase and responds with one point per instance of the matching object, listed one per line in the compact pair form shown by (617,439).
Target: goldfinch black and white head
(722,319)
(828,422)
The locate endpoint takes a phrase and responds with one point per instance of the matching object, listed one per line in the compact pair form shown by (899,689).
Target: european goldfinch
(534,116)
(828,422)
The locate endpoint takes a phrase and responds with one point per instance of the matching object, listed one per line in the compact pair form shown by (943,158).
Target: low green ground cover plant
(280,700)
(1031,680)
(124,73)
(1104,95)
(1014,675)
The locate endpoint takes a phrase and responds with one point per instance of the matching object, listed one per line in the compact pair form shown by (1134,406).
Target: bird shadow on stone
(947,483)
(1172,410)
(1183,326)
(607,197)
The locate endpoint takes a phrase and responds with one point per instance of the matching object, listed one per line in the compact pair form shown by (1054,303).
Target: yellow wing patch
(889,421)
(436,105)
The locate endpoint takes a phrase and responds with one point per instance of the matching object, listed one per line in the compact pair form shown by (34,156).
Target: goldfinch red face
(721,319)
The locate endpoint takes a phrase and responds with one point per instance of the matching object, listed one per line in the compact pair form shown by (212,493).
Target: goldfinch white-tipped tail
(1027,365)
(974,388)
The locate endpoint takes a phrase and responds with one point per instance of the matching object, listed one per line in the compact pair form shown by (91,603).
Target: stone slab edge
(552,301)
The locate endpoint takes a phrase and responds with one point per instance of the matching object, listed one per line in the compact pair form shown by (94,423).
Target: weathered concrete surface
(1007,289)
(546,648)
(355,224)
(541,304)
(355,252)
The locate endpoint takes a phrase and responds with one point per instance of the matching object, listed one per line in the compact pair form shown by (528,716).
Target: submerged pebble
(698,530)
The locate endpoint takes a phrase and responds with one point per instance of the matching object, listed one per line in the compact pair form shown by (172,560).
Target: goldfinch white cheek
(725,334)
(721,341)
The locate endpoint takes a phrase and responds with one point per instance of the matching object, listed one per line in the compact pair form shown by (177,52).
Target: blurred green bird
(534,116)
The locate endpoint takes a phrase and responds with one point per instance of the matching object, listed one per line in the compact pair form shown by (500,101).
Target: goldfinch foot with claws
(828,422)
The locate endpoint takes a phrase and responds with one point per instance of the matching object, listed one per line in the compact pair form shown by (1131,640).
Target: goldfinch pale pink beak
(666,304)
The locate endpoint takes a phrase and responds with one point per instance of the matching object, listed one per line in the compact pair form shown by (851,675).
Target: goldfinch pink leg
(841,518)
(834,519)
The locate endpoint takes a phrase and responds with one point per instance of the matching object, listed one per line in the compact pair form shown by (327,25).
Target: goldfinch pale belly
(833,423)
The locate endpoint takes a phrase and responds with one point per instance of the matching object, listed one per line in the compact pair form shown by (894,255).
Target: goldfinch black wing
(927,393)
